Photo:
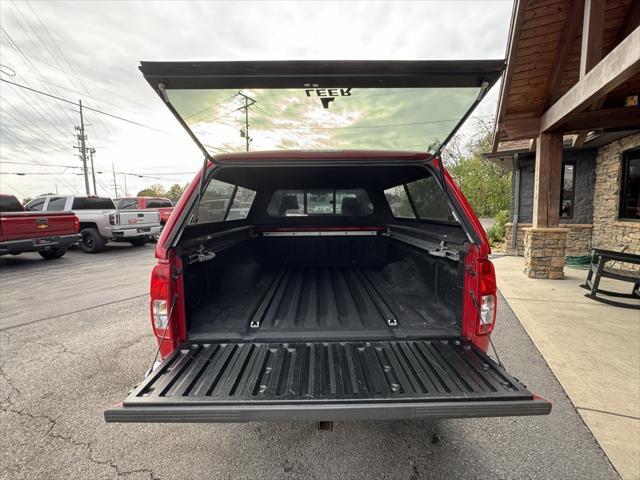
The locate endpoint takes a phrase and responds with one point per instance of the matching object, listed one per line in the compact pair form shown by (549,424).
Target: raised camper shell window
(223,202)
(318,202)
(421,199)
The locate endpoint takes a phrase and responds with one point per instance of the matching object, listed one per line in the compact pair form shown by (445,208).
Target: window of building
(567,199)
(630,186)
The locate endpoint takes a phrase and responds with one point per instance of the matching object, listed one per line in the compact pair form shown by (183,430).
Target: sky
(91,50)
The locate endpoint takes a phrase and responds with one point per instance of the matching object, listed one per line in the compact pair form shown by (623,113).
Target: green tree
(175,192)
(155,190)
(486,185)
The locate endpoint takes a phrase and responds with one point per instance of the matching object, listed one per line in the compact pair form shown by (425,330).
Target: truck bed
(328,288)
(326,381)
(331,300)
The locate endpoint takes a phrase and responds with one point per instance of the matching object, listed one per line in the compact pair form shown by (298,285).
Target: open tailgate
(316,381)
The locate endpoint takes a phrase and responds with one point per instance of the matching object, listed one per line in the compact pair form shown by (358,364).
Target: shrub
(498,230)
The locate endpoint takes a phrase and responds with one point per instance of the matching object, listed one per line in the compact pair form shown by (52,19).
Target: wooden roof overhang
(572,66)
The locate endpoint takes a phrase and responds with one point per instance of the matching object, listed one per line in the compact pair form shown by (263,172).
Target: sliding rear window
(92,203)
(319,202)
(10,204)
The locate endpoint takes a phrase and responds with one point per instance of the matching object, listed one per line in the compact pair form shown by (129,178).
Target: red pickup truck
(164,206)
(49,234)
(325,285)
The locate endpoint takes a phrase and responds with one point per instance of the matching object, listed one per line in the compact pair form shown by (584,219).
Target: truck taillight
(76,224)
(113,219)
(159,314)
(160,299)
(488,300)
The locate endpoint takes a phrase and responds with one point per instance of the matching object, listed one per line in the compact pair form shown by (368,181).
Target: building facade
(599,202)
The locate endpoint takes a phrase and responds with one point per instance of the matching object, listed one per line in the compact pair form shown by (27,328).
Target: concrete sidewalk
(592,348)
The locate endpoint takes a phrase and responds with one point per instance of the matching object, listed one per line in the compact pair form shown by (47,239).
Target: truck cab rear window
(10,204)
(92,203)
(158,203)
(303,203)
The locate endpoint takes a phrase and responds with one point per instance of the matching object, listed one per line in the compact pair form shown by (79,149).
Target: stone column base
(544,252)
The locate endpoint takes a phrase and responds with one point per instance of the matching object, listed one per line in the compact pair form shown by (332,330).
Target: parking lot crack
(12,386)
(7,406)
(88,446)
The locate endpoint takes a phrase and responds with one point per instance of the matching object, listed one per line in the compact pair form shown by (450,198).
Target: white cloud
(104,42)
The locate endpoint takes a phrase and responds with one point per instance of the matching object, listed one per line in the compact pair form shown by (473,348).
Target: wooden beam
(547,183)
(631,21)
(592,35)
(621,117)
(580,139)
(517,15)
(571,26)
(519,128)
(617,67)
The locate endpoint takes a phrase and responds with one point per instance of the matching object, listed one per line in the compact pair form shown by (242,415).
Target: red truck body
(323,285)
(477,260)
(47,232)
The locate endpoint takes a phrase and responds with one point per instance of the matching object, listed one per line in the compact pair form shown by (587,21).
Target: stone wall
(544,251)
(608,231)
(578,241)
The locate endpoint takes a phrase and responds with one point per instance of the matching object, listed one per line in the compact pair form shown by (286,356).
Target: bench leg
(592,266)
(596,281)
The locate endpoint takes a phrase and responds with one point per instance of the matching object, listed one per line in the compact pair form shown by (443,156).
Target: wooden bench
(599,269)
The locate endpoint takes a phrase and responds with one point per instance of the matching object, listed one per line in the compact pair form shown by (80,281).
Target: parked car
(100,221)
(49,234)
(351,285)
(164,206)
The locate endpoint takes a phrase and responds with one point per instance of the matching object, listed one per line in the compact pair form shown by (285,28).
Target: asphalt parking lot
(75,337)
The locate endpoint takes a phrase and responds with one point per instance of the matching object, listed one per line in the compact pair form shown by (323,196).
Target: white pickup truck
(100,221)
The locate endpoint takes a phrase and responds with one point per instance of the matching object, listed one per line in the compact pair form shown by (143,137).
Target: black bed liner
(336,303)
(233,382)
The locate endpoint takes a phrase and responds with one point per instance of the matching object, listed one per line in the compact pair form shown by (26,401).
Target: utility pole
(83,150)
(115,185)
(93,172)
(248,101)
(126,194)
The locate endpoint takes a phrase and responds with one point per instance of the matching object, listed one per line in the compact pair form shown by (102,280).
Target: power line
(21,142)
(115,94)
(33,68)
(31,164)
(41,112)
(87,108)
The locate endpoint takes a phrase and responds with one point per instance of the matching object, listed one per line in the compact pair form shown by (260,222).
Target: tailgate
(315,381)
(139,217)
(24,225)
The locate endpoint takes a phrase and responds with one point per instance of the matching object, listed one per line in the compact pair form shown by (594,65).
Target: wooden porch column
(544,242)
(547,186)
